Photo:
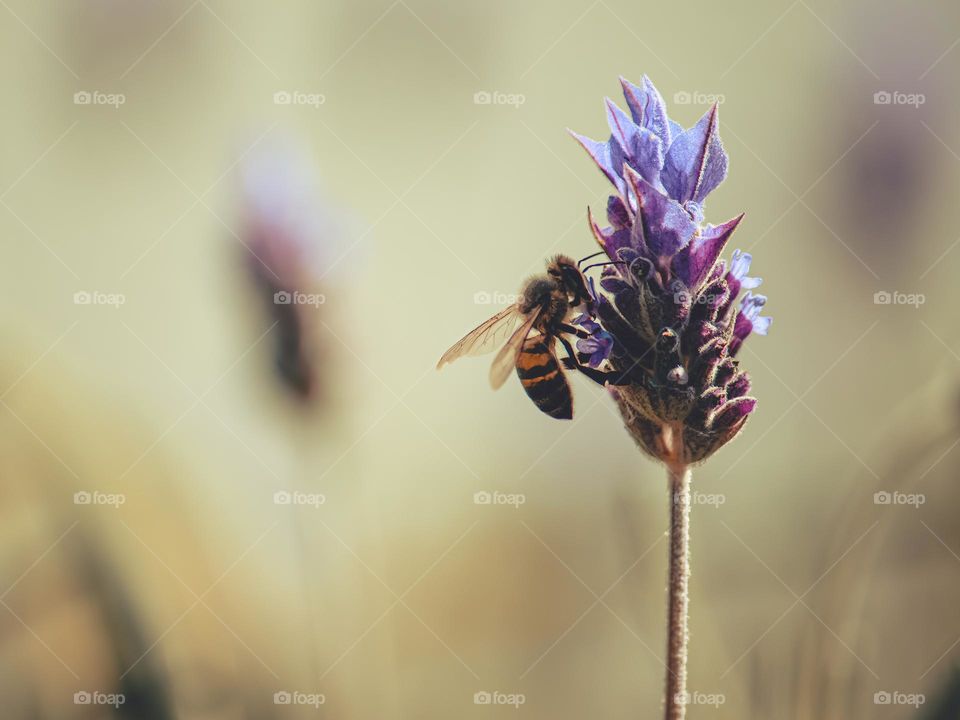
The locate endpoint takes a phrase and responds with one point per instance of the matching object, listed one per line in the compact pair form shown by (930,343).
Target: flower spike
(669,291)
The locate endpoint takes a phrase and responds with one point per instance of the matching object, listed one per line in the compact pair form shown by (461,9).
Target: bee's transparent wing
(486,337)
(506,359)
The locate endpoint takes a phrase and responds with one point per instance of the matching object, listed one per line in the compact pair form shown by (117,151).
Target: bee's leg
(571,330)
(636,346)
(598,376)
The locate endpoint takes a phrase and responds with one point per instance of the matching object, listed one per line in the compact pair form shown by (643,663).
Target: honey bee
(542,310)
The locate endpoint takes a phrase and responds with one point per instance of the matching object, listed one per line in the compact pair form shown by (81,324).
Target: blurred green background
(201,596)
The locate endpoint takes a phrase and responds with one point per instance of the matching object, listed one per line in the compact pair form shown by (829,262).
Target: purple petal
(733,411)
(761,325)
(592,289)
(647,108)
(740,264)
(618,158)
(694,210)
(749,320)
(617,213)
(621,128)
(695,262)
(717,272)
(662,227)
(610,239)
(739,386)
(751,305)
(696,162)
(598,346)
(601,155)
(737,277)
(646,156)
(725,372)
(741,329)
(639,147)
(614,284)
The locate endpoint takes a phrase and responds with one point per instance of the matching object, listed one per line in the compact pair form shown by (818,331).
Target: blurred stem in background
(678,478)
(284,230)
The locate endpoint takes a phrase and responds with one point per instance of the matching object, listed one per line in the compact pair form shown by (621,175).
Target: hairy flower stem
(679,479)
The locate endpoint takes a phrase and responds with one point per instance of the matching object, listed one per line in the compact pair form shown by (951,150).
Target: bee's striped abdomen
(543,379)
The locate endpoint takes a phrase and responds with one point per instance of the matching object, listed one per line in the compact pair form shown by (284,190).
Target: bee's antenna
(603,264)
(583,260)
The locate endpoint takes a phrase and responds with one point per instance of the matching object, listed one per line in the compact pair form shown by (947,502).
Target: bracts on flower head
(670,317)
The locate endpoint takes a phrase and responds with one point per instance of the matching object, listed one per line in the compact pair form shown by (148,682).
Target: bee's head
(567,275)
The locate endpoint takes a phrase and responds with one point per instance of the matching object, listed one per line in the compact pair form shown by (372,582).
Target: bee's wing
(506,359)
(484,338)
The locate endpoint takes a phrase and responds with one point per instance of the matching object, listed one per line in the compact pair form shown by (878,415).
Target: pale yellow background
(400,597)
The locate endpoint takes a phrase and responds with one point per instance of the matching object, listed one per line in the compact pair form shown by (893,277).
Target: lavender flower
(282,233)
(669,324)
(597,346)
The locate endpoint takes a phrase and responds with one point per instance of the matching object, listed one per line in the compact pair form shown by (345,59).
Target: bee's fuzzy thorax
(536,291)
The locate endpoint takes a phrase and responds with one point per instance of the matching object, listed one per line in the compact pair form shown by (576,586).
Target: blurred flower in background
(284,230)
(893,118)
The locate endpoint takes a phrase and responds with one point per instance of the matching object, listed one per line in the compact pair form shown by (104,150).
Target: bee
(542,310)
